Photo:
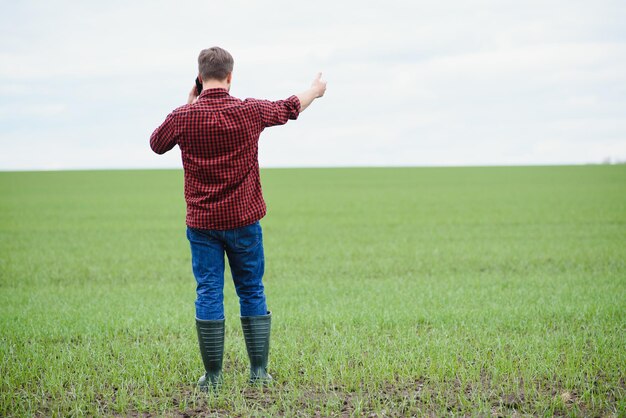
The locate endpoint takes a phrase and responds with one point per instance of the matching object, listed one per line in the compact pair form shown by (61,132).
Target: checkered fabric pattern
(218,138)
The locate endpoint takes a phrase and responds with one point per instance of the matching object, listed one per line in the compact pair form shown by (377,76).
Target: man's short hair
(215,63)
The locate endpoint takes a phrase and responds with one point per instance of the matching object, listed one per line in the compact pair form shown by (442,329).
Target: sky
(410,83)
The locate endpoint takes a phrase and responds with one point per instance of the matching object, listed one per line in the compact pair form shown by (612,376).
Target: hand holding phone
(194,93)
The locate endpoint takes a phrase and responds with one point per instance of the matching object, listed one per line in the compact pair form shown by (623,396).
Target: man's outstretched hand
(318,88)
(318,85)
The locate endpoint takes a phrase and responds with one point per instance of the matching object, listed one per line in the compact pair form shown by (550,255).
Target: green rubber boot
(211,339)
(256,331)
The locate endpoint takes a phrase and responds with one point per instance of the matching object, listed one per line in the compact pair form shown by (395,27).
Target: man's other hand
(318,85)
(317,90)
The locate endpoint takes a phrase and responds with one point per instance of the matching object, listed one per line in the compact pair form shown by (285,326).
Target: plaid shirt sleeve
(165,136)
(278,112)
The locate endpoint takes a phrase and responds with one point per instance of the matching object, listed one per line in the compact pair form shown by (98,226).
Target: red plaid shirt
(218,139)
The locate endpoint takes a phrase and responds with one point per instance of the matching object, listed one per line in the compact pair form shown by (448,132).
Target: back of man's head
(215,63)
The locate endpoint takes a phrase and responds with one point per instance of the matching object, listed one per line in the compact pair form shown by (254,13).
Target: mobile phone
(198,86)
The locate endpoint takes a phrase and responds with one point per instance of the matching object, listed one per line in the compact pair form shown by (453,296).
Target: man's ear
(200,77)
(229,78)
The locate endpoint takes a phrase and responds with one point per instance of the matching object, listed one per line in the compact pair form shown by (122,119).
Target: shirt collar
(214,92)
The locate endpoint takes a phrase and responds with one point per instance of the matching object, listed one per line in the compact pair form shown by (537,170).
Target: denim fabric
(244,249)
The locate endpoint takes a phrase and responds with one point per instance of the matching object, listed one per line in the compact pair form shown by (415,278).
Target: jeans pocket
(248,237)
(195,234)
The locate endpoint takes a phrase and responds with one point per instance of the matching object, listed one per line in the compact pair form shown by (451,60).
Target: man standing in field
(218,138)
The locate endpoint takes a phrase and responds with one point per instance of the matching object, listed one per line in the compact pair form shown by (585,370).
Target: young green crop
(394,292)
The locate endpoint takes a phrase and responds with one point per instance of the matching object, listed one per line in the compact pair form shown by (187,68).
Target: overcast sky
(83,84)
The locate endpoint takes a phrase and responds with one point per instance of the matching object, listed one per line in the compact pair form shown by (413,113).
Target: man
(218,138)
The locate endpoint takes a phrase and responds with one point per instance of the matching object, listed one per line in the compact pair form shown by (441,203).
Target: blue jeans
(244,248)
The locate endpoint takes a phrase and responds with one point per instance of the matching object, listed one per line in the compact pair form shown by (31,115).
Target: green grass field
(395,292)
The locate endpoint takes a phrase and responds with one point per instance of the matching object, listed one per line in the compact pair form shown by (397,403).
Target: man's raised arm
(318,88)
(280,111)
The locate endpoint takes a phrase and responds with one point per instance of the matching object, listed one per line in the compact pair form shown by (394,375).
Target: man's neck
(215,84)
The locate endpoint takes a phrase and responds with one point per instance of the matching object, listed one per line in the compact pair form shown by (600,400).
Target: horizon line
(43,170)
